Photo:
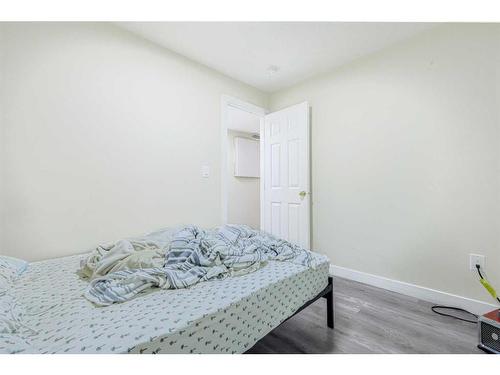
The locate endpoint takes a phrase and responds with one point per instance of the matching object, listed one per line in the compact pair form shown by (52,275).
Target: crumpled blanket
(141,252)
(196,255)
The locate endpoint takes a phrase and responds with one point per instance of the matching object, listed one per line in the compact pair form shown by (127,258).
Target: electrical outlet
(476,259)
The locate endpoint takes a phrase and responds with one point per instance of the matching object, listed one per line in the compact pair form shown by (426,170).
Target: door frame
(227,102)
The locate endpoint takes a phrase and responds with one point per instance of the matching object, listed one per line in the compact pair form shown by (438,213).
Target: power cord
(487,286)
(486,283)
(434,309)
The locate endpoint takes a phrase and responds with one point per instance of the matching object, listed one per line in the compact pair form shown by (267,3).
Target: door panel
(287,174)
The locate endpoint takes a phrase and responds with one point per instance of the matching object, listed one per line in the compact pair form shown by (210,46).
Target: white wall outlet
(205,171)
(476,259)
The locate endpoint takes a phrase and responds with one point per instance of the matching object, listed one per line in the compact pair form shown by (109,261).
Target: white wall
(103,136)
(406,159)
(243,202)
(2,135)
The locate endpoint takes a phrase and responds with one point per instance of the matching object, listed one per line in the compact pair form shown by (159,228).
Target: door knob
(302,194)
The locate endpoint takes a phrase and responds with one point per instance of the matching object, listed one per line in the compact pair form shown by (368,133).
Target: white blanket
(136,253)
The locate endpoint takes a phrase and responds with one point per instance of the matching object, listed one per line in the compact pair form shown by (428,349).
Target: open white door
(286,163)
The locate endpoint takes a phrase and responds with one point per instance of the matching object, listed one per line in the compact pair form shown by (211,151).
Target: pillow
(11,268)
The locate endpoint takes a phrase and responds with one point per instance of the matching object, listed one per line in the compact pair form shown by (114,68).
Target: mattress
(219,316)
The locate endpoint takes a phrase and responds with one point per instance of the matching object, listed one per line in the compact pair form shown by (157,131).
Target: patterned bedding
(219,316)
(195,255)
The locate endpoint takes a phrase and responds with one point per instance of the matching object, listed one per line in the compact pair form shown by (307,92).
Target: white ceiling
(246,50)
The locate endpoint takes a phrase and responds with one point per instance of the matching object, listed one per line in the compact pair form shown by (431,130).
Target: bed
(217,316)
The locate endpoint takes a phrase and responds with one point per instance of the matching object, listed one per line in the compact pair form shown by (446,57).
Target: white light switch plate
(205,171)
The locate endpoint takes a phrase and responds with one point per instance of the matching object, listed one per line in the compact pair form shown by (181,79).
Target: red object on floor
(493,315)
(489,332)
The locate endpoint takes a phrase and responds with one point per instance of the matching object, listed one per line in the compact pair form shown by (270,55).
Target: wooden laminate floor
(370,320)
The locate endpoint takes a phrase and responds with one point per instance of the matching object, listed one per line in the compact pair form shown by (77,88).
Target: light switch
(205,171)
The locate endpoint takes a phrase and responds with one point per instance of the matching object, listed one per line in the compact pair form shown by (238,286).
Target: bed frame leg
(330,314)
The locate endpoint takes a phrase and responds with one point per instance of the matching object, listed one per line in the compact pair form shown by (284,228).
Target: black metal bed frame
(325,293)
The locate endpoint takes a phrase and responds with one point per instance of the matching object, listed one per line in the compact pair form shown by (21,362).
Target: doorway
(266,169)
(240,170)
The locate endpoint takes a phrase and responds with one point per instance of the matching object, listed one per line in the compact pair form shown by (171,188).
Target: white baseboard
(412,290)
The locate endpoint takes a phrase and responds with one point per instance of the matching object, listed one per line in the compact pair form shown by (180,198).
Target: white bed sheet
(220,316)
